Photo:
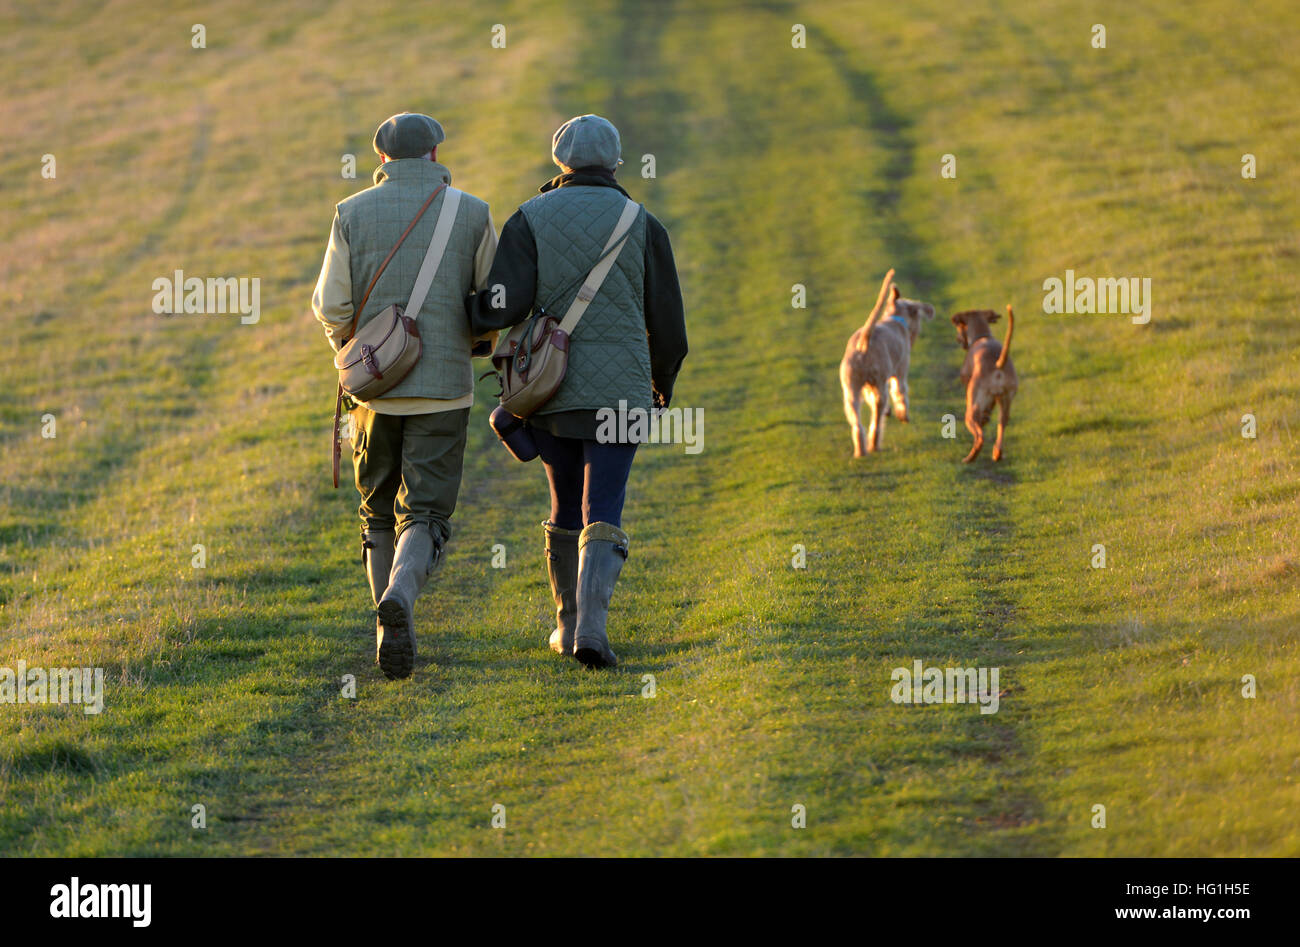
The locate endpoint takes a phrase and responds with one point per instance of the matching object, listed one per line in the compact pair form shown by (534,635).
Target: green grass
(775,166)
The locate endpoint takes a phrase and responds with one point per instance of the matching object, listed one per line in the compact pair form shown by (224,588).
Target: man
(625,353)
(409,445)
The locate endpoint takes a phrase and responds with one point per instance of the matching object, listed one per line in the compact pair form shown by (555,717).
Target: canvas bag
(532,358)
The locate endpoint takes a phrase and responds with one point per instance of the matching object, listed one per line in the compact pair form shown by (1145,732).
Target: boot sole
(593,658)
(396,651)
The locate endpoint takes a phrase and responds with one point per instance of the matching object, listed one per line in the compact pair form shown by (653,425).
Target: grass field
(775,166)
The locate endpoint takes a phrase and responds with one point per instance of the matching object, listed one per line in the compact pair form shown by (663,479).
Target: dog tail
(1006,343)
(875,313)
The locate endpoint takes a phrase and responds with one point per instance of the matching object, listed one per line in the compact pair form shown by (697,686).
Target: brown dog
(876,362)
(988,374)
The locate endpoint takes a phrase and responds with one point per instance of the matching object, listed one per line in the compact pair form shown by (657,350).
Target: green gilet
(609,357)
(372,220)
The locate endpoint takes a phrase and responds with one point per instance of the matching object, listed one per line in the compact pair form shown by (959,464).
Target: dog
(988,375)
(875,364)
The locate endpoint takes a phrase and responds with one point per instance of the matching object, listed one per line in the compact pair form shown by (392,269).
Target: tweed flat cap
(587,141)
(408,135)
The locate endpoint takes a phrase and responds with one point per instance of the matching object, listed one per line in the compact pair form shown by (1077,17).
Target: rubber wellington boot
(416,555)
(602,550)
(562,568)
(377,557)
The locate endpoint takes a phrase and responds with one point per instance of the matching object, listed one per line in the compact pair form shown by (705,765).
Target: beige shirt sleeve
(483,257)
(332,300)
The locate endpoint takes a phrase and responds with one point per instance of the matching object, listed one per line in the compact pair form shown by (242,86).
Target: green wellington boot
(377,557)
(602,550)
(562,569)
(414,561)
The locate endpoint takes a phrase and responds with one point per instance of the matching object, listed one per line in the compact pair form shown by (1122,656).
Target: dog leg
(873,432)
(898,397)
(853,411)
(1004,415)
(977,431)
(878,423)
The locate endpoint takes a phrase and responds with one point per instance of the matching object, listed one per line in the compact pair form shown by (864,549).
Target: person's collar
(584,177)
(412,169)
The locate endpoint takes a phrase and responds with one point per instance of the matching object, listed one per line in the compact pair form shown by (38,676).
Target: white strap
(437,248)
(601,270)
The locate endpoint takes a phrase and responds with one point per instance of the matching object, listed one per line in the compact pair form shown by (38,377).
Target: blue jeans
(588,479)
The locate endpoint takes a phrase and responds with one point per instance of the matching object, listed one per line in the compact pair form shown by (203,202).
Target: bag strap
(591,285)
(391,253)
(433,256)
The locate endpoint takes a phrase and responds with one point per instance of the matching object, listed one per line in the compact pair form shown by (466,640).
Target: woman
(624,354)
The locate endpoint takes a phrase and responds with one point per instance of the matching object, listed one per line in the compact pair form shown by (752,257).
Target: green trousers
(408,468)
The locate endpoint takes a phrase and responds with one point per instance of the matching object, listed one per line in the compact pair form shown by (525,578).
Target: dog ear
(959,318)
(927,311)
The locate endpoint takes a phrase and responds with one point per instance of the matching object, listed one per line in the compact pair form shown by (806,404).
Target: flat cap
(408,135)
(587,141)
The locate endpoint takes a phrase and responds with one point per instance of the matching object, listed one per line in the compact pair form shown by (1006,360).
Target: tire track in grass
(967,502)
(88,471)
(1105,98)
(665,601)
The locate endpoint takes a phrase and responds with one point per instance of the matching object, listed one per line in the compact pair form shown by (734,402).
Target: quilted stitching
(609,359)
(373,220)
